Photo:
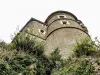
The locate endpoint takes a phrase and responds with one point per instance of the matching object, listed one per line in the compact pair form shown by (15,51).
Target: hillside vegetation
(25,56)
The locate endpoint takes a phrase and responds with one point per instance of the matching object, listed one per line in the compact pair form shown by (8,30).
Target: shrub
(45,65)
(98,61)
(17,64)
(3,45)
(75,67)
(85,68)
(55,56)
(85,47)
(24,43)
(26,57)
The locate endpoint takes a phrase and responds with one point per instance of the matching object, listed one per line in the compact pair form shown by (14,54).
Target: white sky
(15,13)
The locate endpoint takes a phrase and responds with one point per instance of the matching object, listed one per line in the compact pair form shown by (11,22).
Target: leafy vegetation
(75,67)
(25,56)
(3,44)
(86,47)
(24,43)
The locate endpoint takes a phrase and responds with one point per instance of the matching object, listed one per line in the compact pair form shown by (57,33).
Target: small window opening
(65,22)
(41,31)
(61,16)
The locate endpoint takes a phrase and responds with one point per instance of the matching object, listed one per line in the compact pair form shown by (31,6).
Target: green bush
(85,47)
(26,57)
(85,68)
(55,56)
(98,61)
(17,64)
(27,50)
(75,67)
(45,65)
(3,44)
(24,43)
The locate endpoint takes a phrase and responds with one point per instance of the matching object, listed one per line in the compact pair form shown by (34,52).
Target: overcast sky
(15,13)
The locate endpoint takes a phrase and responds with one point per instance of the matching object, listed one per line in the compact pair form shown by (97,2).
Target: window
(61,16)
(41,31)
(65,22)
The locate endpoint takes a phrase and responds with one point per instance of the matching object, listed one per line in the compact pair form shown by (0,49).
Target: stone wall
(60,30)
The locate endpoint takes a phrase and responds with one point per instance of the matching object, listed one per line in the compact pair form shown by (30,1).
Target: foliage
(3,44)
(86,47)
(24,56)
(55,55)
(75,67)
(19,63)
(98,61)
(85,68)
(45,66)
(24,43)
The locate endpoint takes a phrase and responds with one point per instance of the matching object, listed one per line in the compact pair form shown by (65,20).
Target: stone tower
(60,30)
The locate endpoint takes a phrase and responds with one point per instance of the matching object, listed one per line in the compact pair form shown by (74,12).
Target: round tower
(63,30)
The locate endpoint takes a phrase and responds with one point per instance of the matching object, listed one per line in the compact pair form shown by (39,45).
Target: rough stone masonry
(60,30)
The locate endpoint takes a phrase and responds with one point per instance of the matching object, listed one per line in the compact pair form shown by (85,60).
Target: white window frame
(41,32)
(67,22)
(62,15)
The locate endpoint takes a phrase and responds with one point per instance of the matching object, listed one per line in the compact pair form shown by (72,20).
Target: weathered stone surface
(60,30)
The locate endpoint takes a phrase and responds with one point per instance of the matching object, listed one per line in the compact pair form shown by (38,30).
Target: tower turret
(60,30)
(63,30)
